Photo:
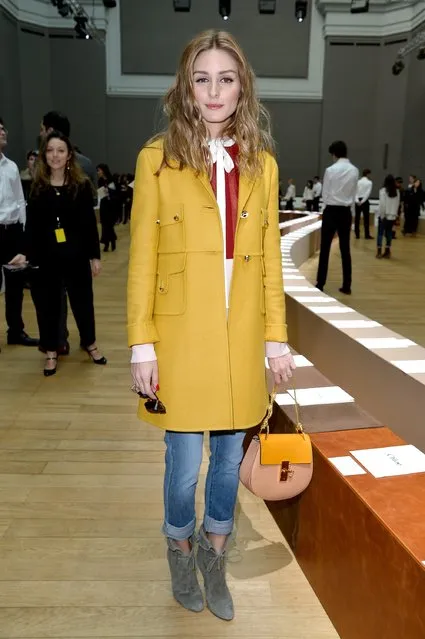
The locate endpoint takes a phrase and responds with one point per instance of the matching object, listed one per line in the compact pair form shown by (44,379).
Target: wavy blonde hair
(186,138)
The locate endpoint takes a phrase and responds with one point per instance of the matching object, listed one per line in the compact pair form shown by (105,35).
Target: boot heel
(213,568)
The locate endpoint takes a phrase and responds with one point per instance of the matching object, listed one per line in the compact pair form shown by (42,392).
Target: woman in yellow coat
(205,298)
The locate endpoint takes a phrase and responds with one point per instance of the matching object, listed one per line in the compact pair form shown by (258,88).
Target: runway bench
(359,540)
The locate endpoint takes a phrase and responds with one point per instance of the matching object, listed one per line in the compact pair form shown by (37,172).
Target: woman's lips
(214,107)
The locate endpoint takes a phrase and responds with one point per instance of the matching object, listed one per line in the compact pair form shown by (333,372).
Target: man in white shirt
(290,195)
(12,221)
(317,192)
(339,192)
(364,189)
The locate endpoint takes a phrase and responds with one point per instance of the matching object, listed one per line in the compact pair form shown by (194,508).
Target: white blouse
(225,164)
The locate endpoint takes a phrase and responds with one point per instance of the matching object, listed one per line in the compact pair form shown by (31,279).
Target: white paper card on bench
(410,365)
(329,310)
(300,361)
(391,460)
(385,342)
(315,396)
(347,466)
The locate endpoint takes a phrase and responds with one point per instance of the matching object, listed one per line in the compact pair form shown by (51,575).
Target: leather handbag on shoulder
(278,466)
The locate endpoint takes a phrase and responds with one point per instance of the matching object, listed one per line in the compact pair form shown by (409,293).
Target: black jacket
(57,207)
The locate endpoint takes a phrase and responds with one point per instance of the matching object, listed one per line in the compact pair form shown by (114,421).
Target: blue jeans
(182,463)
(385,227)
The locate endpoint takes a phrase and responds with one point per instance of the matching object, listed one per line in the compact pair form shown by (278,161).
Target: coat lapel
(245,190)
(205,181)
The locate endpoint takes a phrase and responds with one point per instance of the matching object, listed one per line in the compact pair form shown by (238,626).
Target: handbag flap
(294,448)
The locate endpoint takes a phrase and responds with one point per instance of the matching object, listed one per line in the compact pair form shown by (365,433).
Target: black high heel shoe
(48,372)
(101,361)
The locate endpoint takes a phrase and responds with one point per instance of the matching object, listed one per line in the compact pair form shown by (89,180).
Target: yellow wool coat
(211,365)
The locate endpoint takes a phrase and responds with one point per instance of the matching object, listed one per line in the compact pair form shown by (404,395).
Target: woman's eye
(199,80)
(227,80)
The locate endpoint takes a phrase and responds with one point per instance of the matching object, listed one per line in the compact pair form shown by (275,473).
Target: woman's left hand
(282,368)
(96,267)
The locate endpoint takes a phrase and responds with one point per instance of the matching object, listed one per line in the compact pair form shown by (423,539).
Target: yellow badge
(60,235)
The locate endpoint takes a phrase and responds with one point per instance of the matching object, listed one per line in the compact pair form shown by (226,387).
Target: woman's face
(31,162)
(99,172)
(417,184)
(57,154)
(217,88)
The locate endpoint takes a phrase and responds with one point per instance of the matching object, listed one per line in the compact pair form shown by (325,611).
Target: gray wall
(363,104)
(413,147)
(275,44)
(10,84)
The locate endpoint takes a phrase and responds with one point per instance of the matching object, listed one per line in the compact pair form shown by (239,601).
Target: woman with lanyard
(205,299)
(62,243)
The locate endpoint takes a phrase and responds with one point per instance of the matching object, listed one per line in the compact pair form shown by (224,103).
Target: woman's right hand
(146,378)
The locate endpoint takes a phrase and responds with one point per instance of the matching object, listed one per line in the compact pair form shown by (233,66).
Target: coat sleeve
(143,254)
(276,330)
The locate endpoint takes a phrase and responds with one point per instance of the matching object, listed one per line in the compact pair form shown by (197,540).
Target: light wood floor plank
(81,553)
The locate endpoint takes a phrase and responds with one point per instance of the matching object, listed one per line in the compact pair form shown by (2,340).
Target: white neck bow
(219,153)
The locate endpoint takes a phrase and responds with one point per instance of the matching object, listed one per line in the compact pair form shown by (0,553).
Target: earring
(67,166)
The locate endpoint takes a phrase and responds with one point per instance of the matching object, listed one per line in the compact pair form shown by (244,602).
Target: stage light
(398,67)
(359,6)
(181,5)
(421,54)
(301,10)
(62,7)
(224,9)
(267,6)
(81,28)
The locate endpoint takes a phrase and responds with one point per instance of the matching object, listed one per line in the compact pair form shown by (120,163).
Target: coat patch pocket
(172,230)
(170,293)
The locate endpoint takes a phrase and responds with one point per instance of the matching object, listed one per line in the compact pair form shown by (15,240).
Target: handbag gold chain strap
(265,425)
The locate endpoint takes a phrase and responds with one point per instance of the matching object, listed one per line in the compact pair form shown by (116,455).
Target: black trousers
(411,219)
(309,205)
(48,285)
(11,237)
(364,208)
(316,204)
(335,219)
(289,205)
(108,218)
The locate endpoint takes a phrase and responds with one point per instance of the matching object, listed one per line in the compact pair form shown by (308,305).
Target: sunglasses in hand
(153,406)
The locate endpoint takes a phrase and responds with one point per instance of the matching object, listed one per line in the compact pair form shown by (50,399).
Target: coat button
(247,258)
(244,214)
(176,218)
(158,222)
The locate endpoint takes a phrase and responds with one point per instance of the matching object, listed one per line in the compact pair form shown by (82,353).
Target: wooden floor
(81,553)
(391,292)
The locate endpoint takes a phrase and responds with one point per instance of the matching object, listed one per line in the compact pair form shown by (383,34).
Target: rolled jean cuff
(218,527)
(179,534)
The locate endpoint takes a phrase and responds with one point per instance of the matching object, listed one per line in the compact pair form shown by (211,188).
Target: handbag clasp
(285,471)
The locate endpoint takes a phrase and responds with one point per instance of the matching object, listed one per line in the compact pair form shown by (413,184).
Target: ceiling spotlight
(421,54)
(181,5)
(267,6)
(359,6)
(62,7)
(81,28)
(301,10)
(398,67)
(224,9)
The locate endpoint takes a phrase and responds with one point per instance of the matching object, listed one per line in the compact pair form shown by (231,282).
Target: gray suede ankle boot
(213,568)
(184,581)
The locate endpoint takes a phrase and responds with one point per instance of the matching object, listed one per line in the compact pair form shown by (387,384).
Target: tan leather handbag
(278,466)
